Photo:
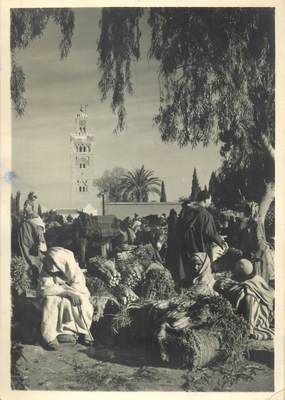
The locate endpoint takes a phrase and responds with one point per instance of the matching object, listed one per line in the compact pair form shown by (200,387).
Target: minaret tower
(82,154)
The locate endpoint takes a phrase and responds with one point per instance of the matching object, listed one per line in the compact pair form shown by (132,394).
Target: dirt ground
(75,367)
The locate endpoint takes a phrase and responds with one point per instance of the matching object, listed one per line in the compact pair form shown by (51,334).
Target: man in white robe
(66,308)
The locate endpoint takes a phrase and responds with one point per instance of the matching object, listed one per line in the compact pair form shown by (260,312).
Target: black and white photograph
(141,226)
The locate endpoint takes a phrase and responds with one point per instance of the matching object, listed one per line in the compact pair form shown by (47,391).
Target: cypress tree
(17,202)
(162,193)
(196,189)
(12,204)
(214,188)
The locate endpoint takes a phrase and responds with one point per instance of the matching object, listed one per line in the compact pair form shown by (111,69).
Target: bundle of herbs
(131,271)
(20,281)
(132,325)
(193,334)
(104,269)
(144,254)
(158,285)
(133,265)
(101,295)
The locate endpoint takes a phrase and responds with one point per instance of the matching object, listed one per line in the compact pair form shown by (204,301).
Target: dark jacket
(196,230)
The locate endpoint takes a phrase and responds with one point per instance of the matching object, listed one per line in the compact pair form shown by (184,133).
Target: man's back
(196,229)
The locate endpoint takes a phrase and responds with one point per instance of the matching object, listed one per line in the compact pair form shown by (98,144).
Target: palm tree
(139,183)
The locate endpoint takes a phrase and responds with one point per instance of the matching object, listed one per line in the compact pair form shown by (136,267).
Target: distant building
(65,212)
(89,209)
(74,212)
(82,163)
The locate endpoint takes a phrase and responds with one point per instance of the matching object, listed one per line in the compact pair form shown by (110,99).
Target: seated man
(253,298)
(66,308)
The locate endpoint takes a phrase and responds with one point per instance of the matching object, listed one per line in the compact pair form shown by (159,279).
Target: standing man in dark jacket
(196,231)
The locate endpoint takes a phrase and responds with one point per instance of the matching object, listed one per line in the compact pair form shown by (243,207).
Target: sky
(55,90)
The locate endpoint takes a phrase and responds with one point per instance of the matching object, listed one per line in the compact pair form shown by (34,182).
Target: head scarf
(244,268)
(65,262)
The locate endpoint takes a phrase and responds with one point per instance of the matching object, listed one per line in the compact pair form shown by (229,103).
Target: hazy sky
(55,90)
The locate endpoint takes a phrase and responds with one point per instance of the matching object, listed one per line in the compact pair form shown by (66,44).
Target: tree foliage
(195,189)
(214,188)
(139,183)
(216,75)
(118,47)
(229,186)
(110,184)
(27,25)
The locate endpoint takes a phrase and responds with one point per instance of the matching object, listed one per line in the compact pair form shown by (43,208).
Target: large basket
(190,349)
(205,348)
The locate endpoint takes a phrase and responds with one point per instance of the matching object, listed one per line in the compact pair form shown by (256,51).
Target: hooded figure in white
(66,300)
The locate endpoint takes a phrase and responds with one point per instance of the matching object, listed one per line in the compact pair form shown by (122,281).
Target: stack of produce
(184,332)
(204,331)
(144,254)
(20,281)
(26,316)
(133,265)
(105,270)
(132,273)
(124,255)
(158,283)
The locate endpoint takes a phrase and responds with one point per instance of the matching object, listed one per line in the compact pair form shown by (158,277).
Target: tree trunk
(265,265)
(266,200)
(82,252)
(18,196)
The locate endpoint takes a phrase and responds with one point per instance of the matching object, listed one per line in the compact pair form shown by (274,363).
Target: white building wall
(123,210)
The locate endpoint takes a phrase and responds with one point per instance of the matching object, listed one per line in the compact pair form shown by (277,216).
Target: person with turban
(66,308)
(254,299)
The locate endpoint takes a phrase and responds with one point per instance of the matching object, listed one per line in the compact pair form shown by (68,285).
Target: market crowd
(189,245)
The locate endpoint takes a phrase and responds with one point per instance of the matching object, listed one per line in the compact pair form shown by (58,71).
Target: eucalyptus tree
(216,75)
(28,24)
(110,184)
(216,79)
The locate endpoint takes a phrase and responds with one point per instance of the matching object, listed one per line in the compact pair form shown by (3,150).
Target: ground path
(75,367)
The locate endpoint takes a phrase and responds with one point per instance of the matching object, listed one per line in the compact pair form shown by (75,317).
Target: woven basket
(190,349)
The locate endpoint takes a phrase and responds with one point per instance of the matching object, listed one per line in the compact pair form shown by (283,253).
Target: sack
(43,247)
